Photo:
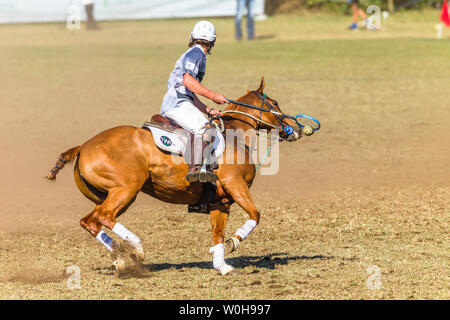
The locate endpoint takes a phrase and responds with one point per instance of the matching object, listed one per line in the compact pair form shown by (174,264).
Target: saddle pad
(174,142)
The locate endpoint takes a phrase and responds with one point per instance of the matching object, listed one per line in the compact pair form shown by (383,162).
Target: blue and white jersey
(193,61)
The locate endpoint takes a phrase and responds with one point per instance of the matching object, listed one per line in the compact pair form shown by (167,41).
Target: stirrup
(192,176)
(206,175)
(193,173)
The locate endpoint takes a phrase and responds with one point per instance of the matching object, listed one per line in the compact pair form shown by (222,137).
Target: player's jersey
(193,61)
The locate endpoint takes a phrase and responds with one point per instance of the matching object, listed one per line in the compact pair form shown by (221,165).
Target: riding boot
(206,172)
(194,158)
(200,168)
(209,159)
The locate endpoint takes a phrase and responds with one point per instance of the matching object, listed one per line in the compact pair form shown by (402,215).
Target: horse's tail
(65,157)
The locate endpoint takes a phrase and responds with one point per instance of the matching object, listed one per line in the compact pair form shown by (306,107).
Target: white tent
(13,11)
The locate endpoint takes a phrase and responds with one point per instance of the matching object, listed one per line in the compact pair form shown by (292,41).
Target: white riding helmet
(204,30)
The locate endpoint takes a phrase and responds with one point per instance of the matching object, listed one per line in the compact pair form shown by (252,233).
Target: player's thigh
(188,116)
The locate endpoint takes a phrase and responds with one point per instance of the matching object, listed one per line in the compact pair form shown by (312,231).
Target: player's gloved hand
(214,112)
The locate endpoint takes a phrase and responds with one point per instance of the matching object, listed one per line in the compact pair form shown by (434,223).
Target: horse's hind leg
(94,227)
(90,222)
(117,201)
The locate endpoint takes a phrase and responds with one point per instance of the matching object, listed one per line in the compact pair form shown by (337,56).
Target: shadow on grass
(258,262)
(270,262)
(265,37)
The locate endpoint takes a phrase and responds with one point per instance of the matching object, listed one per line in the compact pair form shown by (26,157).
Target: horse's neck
(236,128)
(238,121)
(241,123)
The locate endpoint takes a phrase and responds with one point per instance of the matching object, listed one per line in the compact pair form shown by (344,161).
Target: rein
(264,101)
(278,115)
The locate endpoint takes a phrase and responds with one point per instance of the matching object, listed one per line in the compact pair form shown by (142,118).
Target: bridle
(270,108)
(278,115)
(281,124)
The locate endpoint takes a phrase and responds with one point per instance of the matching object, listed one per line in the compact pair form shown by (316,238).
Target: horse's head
(271,119)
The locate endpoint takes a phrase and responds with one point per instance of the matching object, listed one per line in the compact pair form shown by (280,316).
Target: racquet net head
(304,120)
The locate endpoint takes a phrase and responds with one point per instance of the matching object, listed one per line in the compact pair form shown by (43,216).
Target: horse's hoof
(119,267)
(231,244)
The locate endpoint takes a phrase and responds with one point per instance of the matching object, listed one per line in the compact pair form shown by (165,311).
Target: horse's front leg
(241,195)
(219,215)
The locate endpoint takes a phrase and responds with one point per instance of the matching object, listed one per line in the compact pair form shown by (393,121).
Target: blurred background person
(89,8)
(357,12)
(249,4)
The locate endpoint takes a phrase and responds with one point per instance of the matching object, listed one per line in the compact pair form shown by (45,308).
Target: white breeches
(189,117)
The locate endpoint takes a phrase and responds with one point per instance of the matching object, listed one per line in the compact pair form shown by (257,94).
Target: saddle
(168,135)
(171,137)
(164,121)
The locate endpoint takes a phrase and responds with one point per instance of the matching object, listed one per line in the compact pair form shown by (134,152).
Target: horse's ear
(261,86)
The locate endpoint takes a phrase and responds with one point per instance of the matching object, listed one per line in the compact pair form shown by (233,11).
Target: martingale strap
(250,116)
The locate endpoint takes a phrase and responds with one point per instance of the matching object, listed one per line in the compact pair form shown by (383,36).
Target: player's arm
(196,87)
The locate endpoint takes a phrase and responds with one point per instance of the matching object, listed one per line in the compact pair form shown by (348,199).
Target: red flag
(444,13)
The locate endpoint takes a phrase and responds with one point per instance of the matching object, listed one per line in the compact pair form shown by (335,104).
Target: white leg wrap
(219,259)
(106,240)
(246,229)
(219,255)
(126,234)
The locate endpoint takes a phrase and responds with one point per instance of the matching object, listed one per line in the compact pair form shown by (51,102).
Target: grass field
(371,188)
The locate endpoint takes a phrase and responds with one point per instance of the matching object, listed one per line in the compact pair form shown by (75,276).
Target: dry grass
(318,250)
(371,188)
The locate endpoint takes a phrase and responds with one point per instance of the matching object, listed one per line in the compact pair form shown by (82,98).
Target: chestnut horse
(112,167)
